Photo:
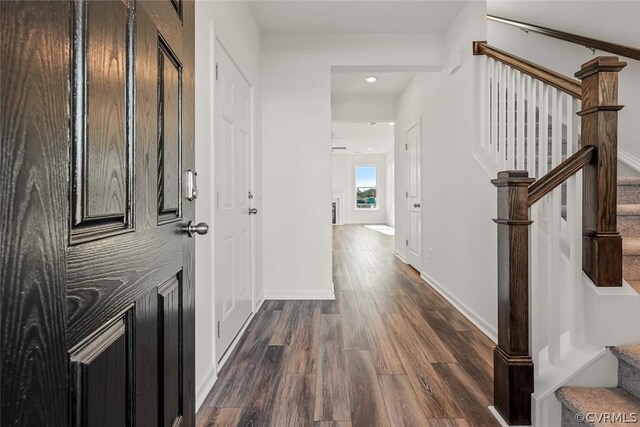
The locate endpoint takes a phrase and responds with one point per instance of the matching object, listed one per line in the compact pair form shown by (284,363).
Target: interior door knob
(416,205)
(253,211)
(192,229)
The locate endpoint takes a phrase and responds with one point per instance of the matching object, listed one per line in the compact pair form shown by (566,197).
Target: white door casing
(414,222)
(233,177)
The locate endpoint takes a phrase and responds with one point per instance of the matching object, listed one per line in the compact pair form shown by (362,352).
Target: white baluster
(511,122)
(502,109)
(554,218)
(574,224)
(520,123)
(494,108)
(531,126)
(484,99)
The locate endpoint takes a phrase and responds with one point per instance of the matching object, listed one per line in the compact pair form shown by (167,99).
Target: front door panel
(130,291)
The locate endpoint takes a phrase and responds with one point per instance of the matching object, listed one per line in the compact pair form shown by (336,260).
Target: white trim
(204,390)
(471,315)
(630,160)
(496,414)
(300,295)
(400,256)
(235,341)
(259,303)
(485,162)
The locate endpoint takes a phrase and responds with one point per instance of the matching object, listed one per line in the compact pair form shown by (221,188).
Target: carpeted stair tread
(629,190)
(629,353)
(628,180)
(584,400)
(629,210)
(631,246)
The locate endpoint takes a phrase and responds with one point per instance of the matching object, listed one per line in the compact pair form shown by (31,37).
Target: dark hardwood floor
(389,351)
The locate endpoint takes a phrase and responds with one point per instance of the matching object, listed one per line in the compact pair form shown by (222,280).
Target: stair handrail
(602,244)
(558,175)
(565,84)
(588,42)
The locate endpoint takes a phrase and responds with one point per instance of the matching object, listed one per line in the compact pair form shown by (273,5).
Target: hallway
(389,351)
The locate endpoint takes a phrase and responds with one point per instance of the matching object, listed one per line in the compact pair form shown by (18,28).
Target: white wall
(234,26)
(613,21)
(458,200)
(376,108)
(296,121)
(391,190)
(343,180)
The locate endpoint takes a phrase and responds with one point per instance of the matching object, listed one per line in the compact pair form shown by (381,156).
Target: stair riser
(631,267)
(628,194)
(629,378)
(629,225)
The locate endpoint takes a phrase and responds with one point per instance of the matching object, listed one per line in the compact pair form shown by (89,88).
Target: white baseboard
(300,295)
(203,391)
(400,256)
(630,160)
(212,377)
(471,315)
(259,303)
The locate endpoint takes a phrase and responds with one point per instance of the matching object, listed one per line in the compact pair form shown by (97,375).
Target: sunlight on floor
(384,229)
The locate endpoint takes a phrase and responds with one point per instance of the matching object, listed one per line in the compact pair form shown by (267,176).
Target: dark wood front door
(97,292)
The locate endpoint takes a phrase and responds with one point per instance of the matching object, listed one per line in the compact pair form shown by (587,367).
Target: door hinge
(216,71)
(406,146)
(406,242)
(218,329)
(406,194)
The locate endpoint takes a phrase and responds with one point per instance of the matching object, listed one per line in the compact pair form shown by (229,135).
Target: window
(366,183)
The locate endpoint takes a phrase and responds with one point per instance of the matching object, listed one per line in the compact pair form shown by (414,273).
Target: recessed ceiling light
(372,124)
(371,79)
(369,148)
(392,123)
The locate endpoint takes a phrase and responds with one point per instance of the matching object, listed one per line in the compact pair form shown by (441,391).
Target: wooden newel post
(601,242)
(512,363)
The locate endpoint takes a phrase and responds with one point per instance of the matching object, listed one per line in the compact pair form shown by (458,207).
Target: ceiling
(359,137)
(350,84)
(340,16)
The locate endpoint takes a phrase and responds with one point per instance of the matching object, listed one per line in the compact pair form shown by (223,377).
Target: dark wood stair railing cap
(601,64)
(557,80)
(513,178)
(565,170)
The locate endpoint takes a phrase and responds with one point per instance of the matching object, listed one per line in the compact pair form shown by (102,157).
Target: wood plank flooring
(390,351)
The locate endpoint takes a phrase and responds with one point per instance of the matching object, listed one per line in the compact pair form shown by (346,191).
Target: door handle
(416,205)
(253,211)
(191,229)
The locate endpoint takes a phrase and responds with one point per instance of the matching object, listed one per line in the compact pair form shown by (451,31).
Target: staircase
(621,405)
(629,227)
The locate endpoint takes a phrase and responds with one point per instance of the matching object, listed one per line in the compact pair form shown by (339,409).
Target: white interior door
(414,241)
(233,230)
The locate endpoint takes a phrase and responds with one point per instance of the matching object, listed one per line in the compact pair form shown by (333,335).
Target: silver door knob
(253,211)
(192,228)
(416,205)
